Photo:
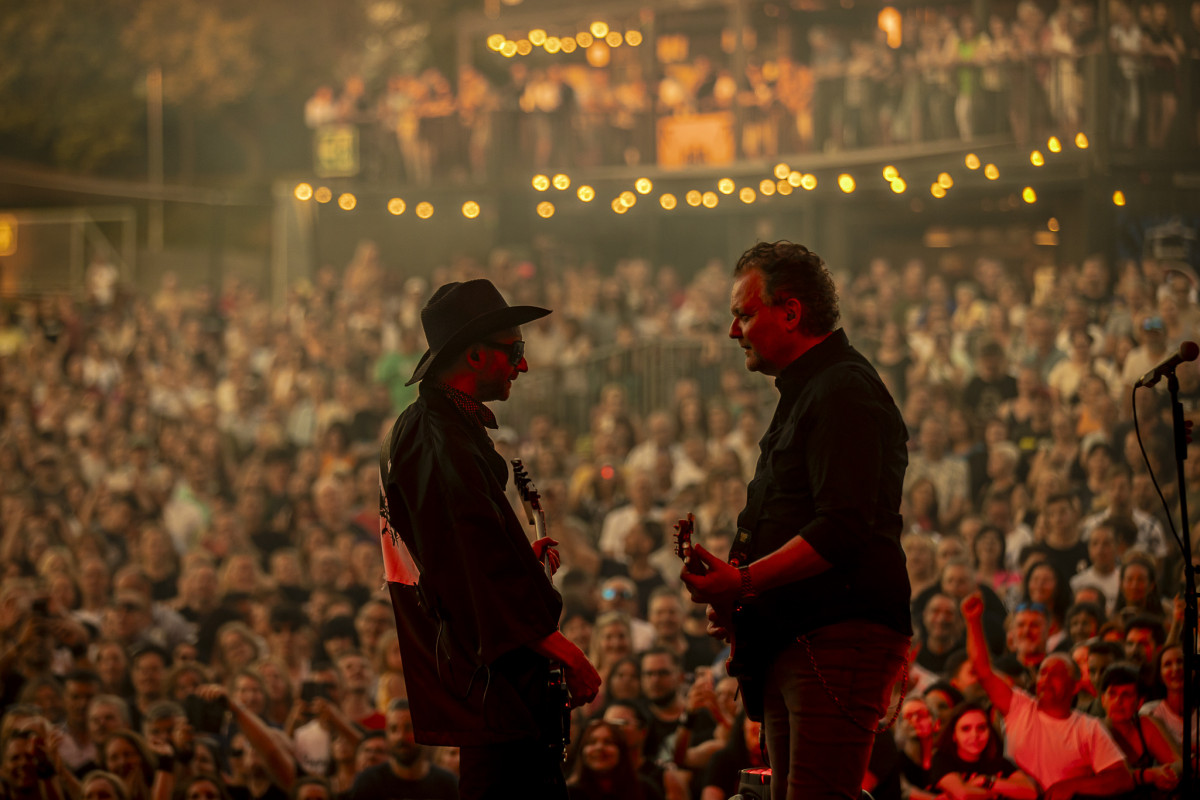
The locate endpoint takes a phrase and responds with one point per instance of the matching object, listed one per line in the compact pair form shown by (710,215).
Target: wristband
(748,592)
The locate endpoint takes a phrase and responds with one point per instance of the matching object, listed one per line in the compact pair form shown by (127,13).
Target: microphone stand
(1190,780)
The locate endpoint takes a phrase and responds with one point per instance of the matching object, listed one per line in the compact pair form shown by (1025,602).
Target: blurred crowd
(191,601)
(954,77)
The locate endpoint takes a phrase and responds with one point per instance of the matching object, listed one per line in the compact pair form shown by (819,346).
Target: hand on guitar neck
(708,580)
(544,550)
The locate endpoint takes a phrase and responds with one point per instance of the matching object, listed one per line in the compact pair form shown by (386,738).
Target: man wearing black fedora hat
(476,615)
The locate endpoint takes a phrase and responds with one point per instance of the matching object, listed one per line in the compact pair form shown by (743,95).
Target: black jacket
(482,598)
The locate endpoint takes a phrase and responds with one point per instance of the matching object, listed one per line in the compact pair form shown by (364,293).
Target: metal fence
(648,372)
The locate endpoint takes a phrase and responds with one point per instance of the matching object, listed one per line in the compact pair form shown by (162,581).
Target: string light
(496,41)
(424,209)
(470,209)
(643,185)
(561,182)
(782,171)
(747,195)
(508,49)
(694,198)
(1052,224)
(1036,158)
(766,187)
(633,38)
(545,209)
(795,178)
(890,173)
(1029,195)
(614,39)
(347,201)
(537,37)
(898,186)
(541,183)
(1118,198)
(1054,145)
(396,206)
(618,206)
(553,45)
(584,39)
(599,29)
(710,199)
(972,161)
(991,172)
(322,194)
(586,193)
(725,186)
(785,188)
(937,190)
(846,182)
(303,191)
(524,47)
(944,180)
(667,201)
(568,44)
(1081,141)
(628,198)
(808,181)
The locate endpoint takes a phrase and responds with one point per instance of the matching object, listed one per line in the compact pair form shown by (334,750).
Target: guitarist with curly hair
(815,596)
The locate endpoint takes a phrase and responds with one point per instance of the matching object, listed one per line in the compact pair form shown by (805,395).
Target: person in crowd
(407,772)
(1064,751)
(1102,572)
(942,633)
(666,615)
(970,756)
(603,768)
(100,785)
(1154,760)
(1044,586)
(915,736)
(76,749)
(1139,592)
(632,719)
(1169,710)
(721,778)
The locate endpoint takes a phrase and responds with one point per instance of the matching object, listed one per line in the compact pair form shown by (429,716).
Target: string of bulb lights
(598,33)
(783,181)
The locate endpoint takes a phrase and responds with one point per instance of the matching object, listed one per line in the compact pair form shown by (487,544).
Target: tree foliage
(73,72)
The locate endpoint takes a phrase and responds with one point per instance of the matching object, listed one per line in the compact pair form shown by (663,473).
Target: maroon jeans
(816,751)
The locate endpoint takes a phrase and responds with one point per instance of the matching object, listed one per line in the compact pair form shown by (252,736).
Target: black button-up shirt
(831,469)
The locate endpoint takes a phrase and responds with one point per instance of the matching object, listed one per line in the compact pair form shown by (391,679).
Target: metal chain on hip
(837,701)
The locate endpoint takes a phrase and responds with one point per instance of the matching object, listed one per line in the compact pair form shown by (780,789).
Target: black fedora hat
(460,313)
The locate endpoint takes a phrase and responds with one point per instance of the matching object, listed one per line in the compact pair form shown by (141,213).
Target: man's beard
(663,700)
(406,754)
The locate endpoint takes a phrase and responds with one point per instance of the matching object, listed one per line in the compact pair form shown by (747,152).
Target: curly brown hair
(791,270)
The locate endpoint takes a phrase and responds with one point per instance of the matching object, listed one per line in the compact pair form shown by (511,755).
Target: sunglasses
(613,594)
(514,350)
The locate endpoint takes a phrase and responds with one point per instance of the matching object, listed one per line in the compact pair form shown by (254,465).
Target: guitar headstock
(683,536)
(520,477)
(525,489)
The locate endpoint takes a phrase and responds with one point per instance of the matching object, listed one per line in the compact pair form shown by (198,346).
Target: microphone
(1187,352)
